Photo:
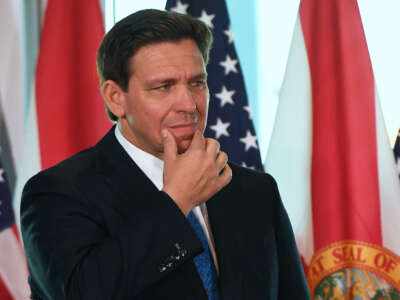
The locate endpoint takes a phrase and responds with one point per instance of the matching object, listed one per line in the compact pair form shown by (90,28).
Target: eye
(199,83)
(163,87)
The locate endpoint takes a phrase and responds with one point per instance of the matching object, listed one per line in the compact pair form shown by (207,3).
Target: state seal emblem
(354,270)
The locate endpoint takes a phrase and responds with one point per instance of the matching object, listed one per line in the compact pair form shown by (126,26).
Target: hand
(194,176)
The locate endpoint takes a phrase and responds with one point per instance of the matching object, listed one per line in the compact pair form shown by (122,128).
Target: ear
(114,97)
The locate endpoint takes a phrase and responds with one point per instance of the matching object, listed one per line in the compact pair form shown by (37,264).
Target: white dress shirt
(153,168)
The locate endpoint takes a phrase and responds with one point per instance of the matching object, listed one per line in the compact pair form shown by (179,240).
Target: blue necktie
(204,262)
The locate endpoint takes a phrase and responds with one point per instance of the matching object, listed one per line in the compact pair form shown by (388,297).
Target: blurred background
(262,31)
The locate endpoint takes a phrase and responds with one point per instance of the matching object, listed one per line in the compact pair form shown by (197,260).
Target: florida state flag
(332,158)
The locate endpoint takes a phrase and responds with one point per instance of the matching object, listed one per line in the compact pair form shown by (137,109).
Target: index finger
(170,147)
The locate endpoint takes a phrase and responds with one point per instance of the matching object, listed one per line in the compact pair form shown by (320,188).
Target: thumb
(170,147)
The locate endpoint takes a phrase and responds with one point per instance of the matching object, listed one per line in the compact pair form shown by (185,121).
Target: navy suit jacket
(95,227)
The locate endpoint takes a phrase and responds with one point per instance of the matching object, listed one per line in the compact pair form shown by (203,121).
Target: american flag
(6,212)
(396,151)
(229,115)
(13,271)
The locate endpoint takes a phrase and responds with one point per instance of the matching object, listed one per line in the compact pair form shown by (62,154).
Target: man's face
(167,89)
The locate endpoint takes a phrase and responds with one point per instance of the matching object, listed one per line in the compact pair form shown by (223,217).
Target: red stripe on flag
(13,268)
(17,236)
(345,190)
(71,114)
(4,293)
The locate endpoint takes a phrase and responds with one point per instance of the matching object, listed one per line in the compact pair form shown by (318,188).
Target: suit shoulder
(76,164)
(251,177)
(65,172)
(257,188)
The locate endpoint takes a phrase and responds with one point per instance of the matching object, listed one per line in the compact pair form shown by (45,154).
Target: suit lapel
(123,175)
(228,242)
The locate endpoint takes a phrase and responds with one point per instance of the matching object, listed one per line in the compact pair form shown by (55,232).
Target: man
(153,211)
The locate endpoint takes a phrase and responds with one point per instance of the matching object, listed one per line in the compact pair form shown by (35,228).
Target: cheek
(202,106)
(142,118)
(154,117)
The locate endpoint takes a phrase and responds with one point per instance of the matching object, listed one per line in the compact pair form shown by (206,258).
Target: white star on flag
(220,128)
(180,8)
(248,109)
(229,64)
(225,96)
(1,175)
(229,34)
(249,140)
(206,18)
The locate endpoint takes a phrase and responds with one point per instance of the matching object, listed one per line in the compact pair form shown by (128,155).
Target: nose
(185,101)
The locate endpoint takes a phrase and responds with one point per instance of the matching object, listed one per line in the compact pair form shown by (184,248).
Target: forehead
(183,54)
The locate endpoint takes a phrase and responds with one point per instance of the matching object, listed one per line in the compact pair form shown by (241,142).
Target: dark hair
(142,28)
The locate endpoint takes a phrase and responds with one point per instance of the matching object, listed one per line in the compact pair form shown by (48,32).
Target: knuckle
(209,163)
(212,142)
(216,174)
(224,156)
(228,172)
(199,153)
(225,177)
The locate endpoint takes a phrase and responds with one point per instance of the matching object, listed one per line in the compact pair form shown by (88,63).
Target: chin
(183,145)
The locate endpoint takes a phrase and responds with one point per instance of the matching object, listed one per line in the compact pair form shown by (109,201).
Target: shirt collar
(150,165)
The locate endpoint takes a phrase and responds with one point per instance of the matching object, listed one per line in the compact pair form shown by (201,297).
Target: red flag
(70,111)
(339,182)
(343,101)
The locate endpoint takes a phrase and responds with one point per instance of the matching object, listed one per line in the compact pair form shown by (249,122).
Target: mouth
(183,131)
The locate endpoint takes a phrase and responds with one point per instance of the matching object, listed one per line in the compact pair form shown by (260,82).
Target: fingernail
(164,133)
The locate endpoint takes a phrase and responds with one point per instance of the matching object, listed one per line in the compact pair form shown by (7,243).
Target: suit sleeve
(71,255)
(292,282)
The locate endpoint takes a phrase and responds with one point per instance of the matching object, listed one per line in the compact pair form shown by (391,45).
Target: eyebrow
(198,76)
(167,80)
